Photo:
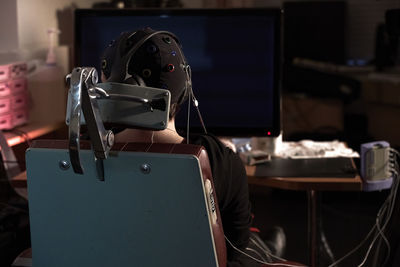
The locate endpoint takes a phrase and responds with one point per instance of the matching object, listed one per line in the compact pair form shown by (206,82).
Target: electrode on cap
(151,49)
(170,67)
(167,40)
(104,64)
(146,73)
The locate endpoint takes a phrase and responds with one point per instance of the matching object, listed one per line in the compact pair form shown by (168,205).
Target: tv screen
(234,56)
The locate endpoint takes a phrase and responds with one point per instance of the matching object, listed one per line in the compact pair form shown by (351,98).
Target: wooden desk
(305,183)
(20,135)
(311,185)
(32,131)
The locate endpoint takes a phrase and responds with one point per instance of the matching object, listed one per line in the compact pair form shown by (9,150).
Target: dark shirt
(231,188)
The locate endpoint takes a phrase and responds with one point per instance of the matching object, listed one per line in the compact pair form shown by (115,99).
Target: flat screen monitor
(234,55)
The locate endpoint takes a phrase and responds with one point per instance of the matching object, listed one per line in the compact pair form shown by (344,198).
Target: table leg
(312,226)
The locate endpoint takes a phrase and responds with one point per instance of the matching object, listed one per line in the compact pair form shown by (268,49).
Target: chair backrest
(156,207)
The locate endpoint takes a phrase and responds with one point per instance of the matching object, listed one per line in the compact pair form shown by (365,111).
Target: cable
(196,104)
(383,227)
(384,238)
(257,260)
(390,211)
(394,169)
(362,242)
(395,151)
(354,249)
(325,243)
(266,252)
(383,217)
(256,252)
(376,236)
(188,119)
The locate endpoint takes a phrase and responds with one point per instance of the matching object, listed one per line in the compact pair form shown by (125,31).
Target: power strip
(376,169)
(375,161)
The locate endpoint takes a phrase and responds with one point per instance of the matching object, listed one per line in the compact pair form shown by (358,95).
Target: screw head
(68,78)
(95,77)
(145,168)
(64,165)
(110,138)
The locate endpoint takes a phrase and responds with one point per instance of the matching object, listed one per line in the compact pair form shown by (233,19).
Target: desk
(311,185)
(33,130)
(20,135)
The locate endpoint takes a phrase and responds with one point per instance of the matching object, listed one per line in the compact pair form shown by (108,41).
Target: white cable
(381,230)
(267,252)
(188,118)
(380,233)
(391,198)
(395,151)
(257,260)
(256,252)
(388,206)
(354,249)
(359,245)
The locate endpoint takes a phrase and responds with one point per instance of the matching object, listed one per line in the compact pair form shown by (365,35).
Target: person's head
(149,58)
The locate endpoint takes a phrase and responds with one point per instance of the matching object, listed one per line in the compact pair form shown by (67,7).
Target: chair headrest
(120,111)
(129,114)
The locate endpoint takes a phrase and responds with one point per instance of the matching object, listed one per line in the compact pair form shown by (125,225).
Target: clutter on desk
(248,154)
(315,149)
(13,95)
(304,149)
(255,157)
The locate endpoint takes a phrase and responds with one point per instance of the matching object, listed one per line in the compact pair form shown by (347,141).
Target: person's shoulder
(208,141)
(215,148)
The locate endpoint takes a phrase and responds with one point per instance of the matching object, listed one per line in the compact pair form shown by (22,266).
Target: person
(159,62)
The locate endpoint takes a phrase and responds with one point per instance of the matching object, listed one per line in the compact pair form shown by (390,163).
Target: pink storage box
(5,89)
(17,85)
(19,117)
(13,70)
(19,101)
(5,105)
(6,122)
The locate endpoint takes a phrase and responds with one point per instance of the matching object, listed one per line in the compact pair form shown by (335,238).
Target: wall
(362,19)
(8,25)
(192,3)
(36,16)
(25,22)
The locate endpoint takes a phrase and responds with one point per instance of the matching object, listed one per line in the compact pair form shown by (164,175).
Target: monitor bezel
(275,13)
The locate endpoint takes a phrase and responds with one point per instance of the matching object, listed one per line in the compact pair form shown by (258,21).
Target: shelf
(30,131)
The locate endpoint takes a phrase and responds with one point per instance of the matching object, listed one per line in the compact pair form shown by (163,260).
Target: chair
(143,205)
(153,209)
(96,203)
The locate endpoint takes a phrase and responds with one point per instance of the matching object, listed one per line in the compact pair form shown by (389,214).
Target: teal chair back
(156,207)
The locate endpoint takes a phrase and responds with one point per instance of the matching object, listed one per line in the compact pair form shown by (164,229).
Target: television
(234,54)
